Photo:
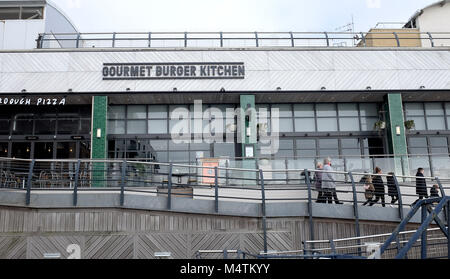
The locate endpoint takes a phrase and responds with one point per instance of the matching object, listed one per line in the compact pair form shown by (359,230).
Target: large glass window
(5,123)
(3,149)
(285,118)
(23,124)
(326,117)
(304,118)
(348,117)
(428,116)
(157,119)
(136,123)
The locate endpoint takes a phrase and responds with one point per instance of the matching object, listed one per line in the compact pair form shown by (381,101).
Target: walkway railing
(210,183)
(403,38)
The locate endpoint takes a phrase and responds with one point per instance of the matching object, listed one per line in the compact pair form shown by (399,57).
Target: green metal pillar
(99,144)
(248,130)
(395,132)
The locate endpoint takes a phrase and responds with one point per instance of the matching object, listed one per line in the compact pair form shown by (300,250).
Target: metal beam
(423,226)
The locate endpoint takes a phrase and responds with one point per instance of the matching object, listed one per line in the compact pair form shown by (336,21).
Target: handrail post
(114,40)
(332,246)
(292,39)
(122,184)
(221,39)
(326,37)
(78,40)
(355,210)
(216,190)
(263,208)
(256,38)
(431,39)
(149,39)
(169,188)
(185,39)
(304,247)
(396,38)
(423,242)
(41,42)
(30,177)
(310,211)
(75,186)
(400,200)
(363,38)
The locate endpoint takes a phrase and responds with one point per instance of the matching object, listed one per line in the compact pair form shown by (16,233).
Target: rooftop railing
(397,38)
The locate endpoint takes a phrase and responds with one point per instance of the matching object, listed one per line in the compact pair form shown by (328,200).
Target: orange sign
(208,171)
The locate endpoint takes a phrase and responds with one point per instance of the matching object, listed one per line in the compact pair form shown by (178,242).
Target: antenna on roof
(349,27)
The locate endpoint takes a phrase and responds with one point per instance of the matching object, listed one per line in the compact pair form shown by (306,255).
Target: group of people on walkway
(374,190)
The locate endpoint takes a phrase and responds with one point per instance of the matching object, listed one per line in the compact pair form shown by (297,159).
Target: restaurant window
(348,117)
(326,117)
(5,122)
(23,124)
(304,118)
(157,119)
(3,149)
(428,116)
(136,119)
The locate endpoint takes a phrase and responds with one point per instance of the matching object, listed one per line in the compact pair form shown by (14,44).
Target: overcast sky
(234,15)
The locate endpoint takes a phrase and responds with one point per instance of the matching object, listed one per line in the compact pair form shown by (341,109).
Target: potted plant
(409,124)
(379,125)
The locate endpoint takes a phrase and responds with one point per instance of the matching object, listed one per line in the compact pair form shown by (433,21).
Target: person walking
(328,182)
(369,190)
(392,188)
(379,187)
(421,186)
(318,183)
(434,191)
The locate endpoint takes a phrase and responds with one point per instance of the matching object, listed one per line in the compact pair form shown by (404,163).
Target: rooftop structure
(21,22)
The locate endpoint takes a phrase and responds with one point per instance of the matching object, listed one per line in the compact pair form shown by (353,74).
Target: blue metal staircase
(429,215)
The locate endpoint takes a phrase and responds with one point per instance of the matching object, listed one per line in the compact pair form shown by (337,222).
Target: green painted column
(99,144)
(395,132)
(247,104)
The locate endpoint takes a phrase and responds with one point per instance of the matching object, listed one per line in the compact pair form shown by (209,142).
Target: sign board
(208,175)
(33,101)
(199,70)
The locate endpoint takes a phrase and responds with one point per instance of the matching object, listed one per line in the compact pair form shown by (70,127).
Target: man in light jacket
(328,182)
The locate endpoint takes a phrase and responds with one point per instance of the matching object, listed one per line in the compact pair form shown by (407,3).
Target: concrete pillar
(395,132)
(99,144)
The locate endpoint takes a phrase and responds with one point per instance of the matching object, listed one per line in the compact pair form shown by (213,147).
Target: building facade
(258,106)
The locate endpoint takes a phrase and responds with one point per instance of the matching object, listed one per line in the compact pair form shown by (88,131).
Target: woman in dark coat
(421,186)
(392,188)
(377,182)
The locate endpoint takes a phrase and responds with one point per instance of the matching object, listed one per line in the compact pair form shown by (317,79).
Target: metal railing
(242,39)
(210,183)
